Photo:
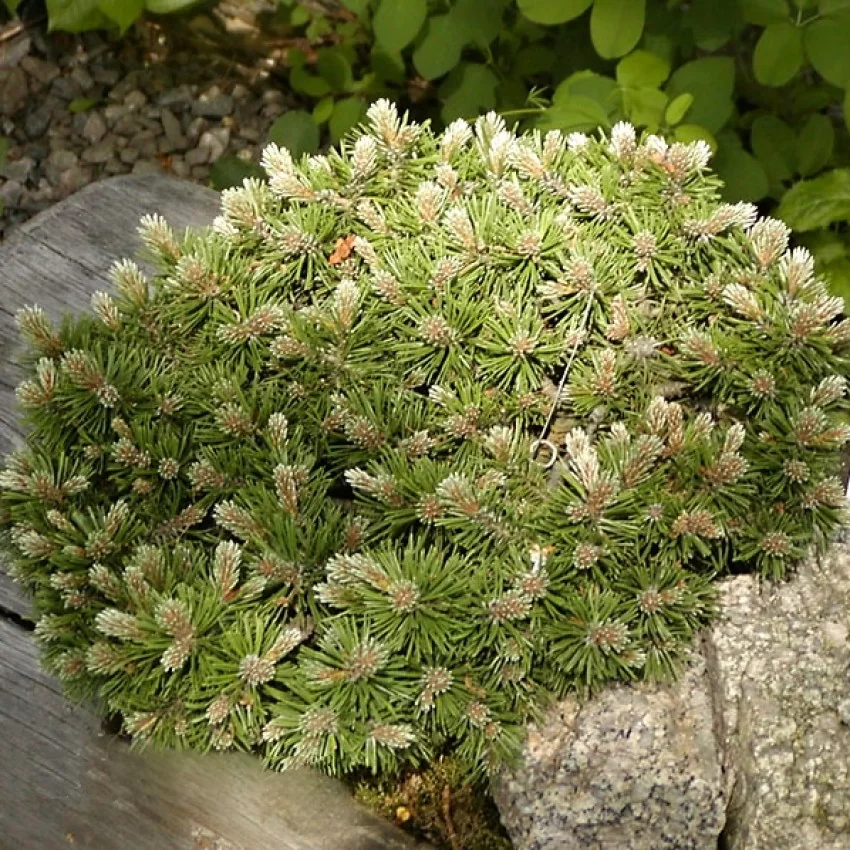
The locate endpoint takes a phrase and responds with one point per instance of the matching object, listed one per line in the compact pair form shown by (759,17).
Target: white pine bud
(769,238)
(454,139)
(460,228)
(119,624)
(364,157)
(226,564)
(429,201)
(577,141)
(742,301)
(382,115)
(106,310)
(157,235)
(798,269)
(623,140)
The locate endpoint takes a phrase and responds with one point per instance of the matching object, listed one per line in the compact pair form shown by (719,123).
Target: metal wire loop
(553,452)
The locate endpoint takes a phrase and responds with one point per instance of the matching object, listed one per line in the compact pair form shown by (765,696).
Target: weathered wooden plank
(64,783)
(12,599)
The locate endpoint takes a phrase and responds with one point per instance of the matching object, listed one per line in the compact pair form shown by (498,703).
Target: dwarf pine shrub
(419,434)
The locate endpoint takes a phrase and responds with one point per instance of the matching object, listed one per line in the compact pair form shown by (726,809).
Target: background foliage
(764,81)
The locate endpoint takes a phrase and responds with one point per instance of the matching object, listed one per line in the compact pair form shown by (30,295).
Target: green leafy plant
(82,15)
(762,81)
(419,435)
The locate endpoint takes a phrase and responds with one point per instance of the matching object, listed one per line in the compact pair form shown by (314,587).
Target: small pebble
(39,69)
(10,193)
(65,88)
(94,129)
(135,99)
(13,84)
(37,121)
(216,106)
(82,78)
(17,169)
(74,178)
(197,156)
(114,112)
(144,166)
(107,76)
(101,152)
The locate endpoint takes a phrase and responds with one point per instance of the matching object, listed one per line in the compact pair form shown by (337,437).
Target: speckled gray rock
(636,768)
(752,743)
(780,665)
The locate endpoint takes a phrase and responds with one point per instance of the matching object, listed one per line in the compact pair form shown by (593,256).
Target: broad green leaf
(168,7)
(334,68)
(846,106)
(832,262)
(552,11)
(837,277)
(742,174)
(82,104)
(826,42)
(816,203)
(297,131)
(764,12)
(827,246)
(440,49)
(576,112)
(478,21)
(12,5)
(642,69)
(347,113)
(296,58)
(712,22)
(645,106)
(830,7)
(775,145)
(814,144)
(678,108)
(467,91)
(534,59)
(122,12)
(778,54)
(603,90)
(304,82)
(75,15)
(688,133)
(711,81)
(661,44)
(299,17)
(359,7)
(616,26)
(323,110)
(388,66)
(228,171)
(397,22)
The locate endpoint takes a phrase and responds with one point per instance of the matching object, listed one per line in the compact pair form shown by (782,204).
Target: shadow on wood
(63,782)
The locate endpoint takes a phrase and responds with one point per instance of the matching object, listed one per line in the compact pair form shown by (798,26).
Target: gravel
(136,106)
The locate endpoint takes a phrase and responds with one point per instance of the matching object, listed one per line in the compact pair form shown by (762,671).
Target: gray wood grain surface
(64,783)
